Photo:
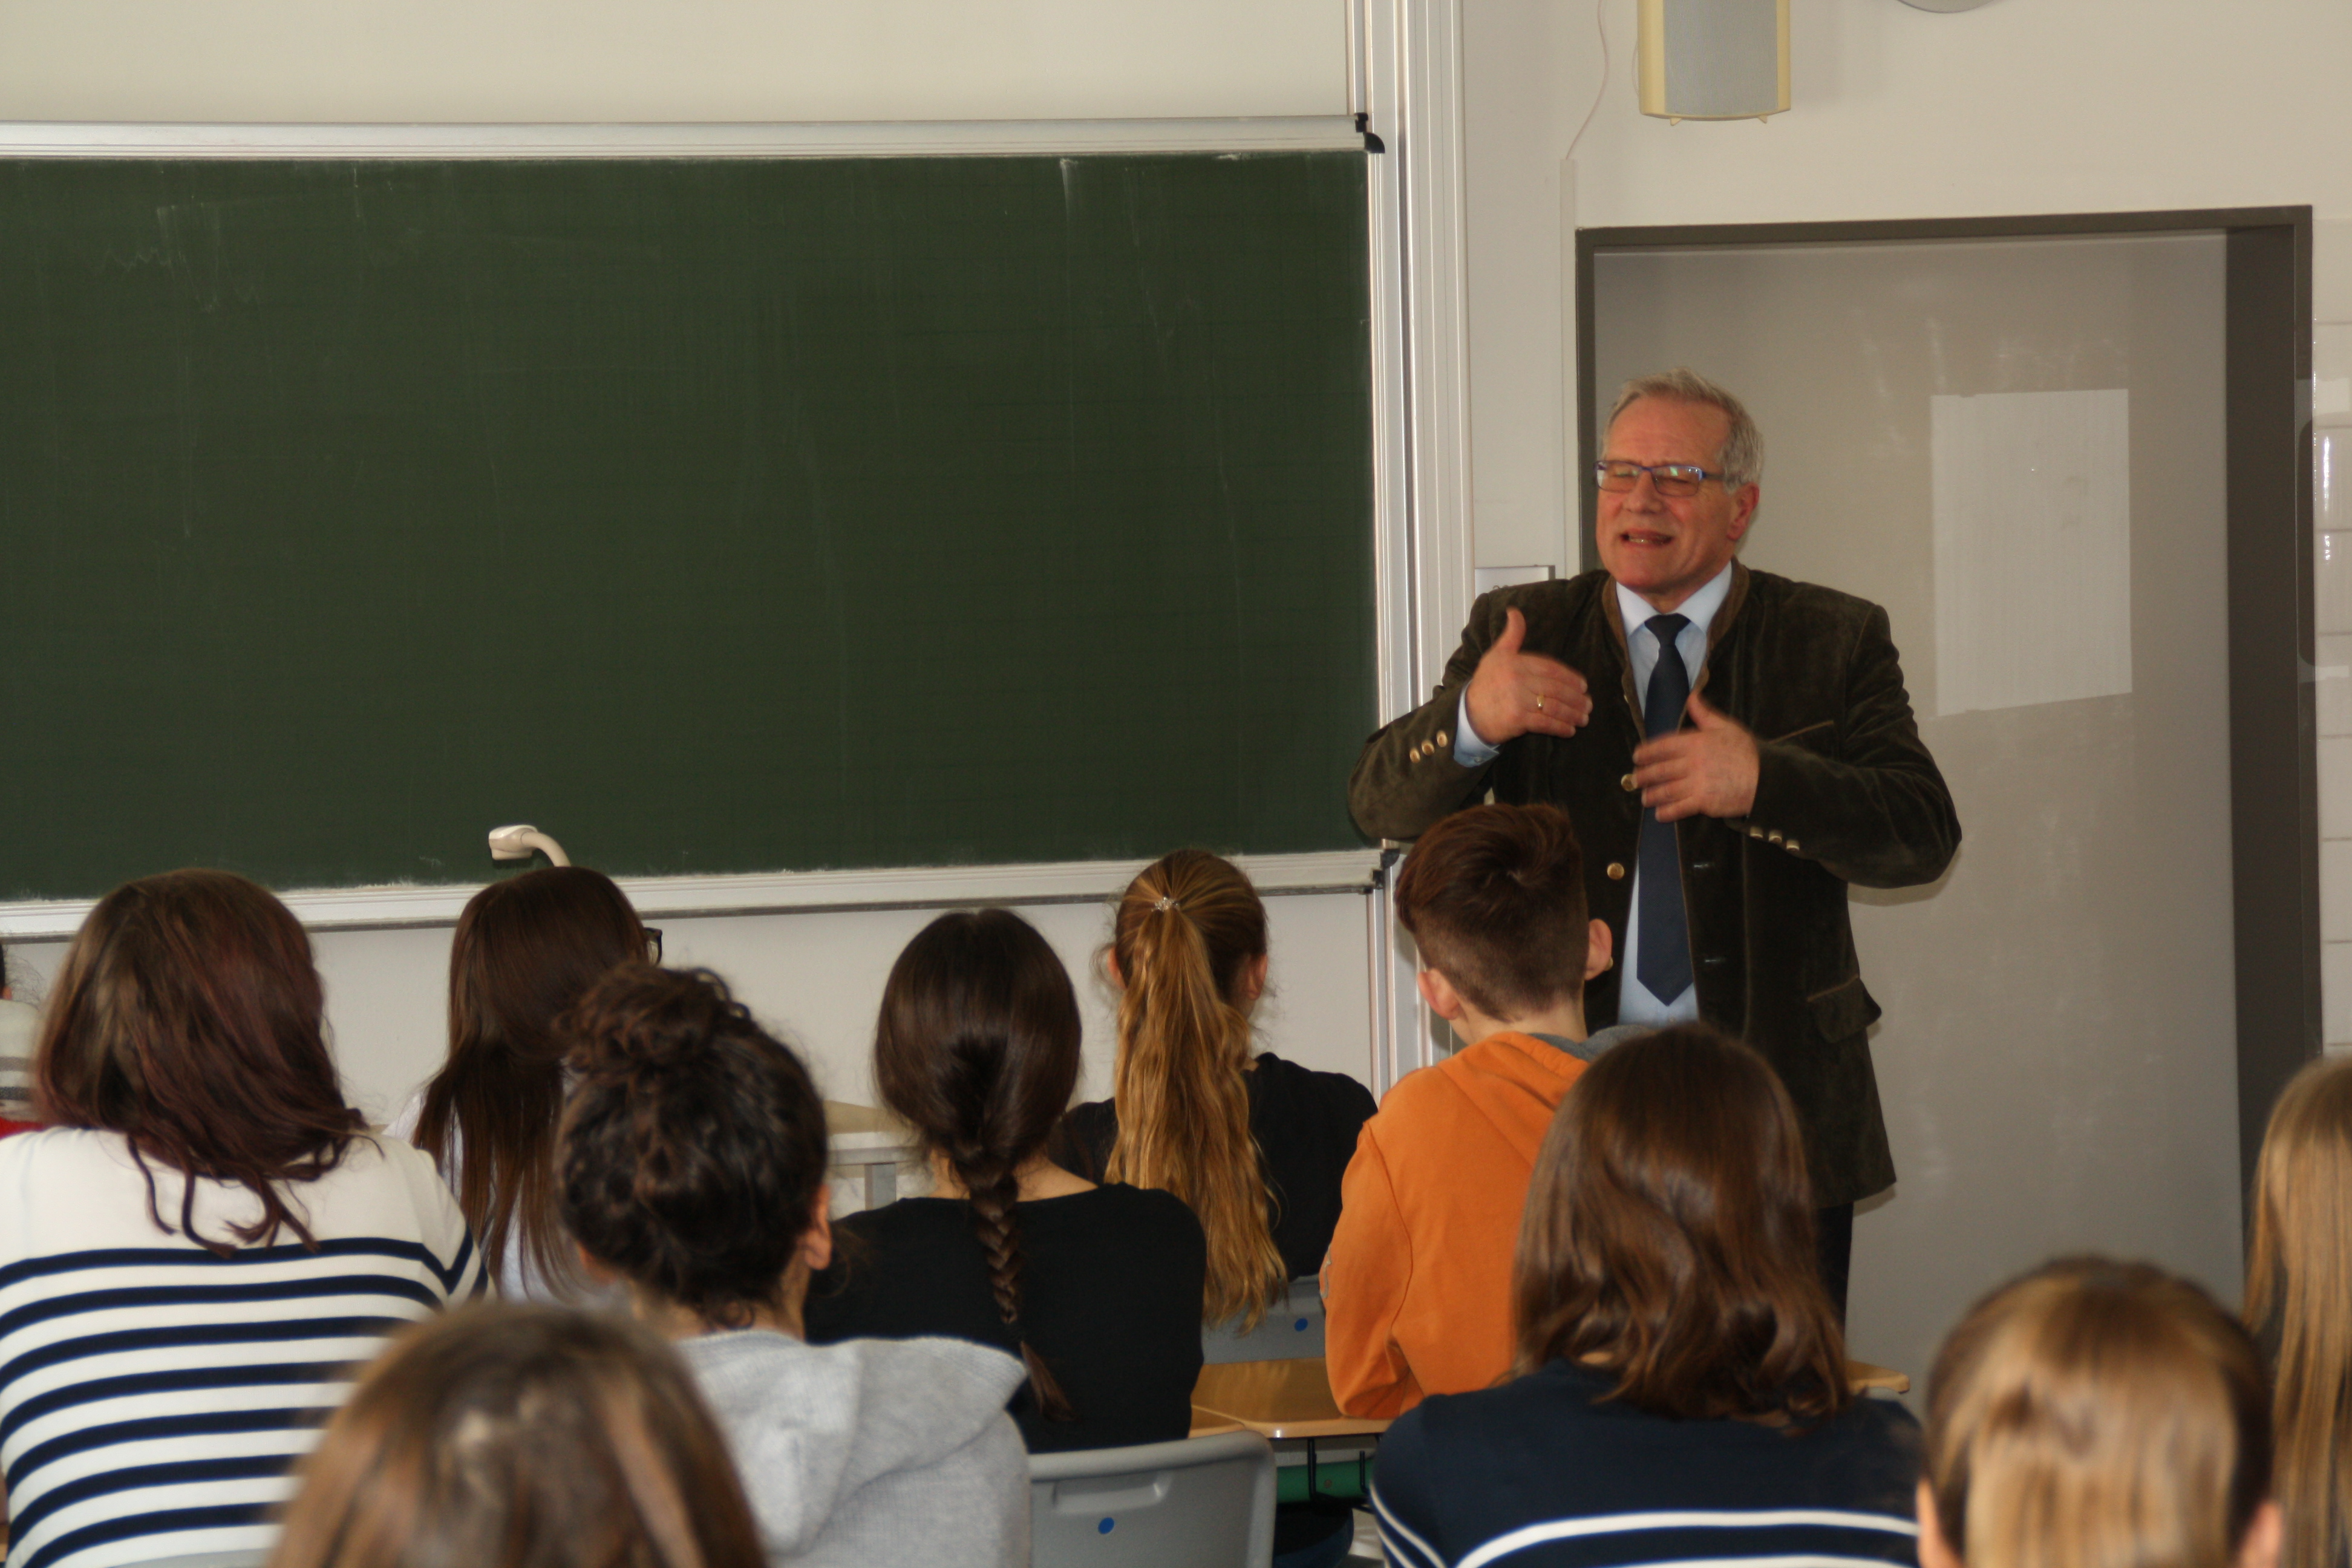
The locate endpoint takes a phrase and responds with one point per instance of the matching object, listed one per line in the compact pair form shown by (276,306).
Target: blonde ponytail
(1185,937)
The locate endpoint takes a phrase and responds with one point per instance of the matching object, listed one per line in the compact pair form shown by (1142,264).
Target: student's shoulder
(1116,1207)
(1334,1092)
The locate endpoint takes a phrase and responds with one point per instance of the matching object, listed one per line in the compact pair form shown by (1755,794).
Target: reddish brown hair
(1494,897)
(694,1145)
(521,1436)
(187,1017)
(1668,1238)
(977,1050)
(526,949)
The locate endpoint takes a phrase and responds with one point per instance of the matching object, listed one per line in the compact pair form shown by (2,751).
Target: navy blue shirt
(1543,1473)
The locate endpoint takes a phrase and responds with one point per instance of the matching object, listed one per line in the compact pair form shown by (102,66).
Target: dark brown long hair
(188,1017)
(1668,1238)
(1185,935)
(506,1435)
(694,1144)
(526,949)
(977,1050)
(2097,1414)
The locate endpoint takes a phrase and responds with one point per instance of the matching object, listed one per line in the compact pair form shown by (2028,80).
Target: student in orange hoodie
(1417,1287)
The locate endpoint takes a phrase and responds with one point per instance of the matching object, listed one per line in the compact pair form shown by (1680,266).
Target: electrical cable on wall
(1601,25)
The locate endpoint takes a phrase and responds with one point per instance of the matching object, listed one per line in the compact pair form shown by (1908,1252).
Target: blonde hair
(1185,935)
(2299,1292)
(2097,1414)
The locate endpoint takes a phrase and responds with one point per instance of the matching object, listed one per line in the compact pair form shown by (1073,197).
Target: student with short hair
(203,1240)
(693,1159)
(1255,1144)
(2299,1303)
(525,949)
(1097,1288)
(1680,1392)
(1417,1288)
(2098,1415)
(511,1436)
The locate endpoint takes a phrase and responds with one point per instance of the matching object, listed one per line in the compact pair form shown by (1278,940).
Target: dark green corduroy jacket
(1845,793)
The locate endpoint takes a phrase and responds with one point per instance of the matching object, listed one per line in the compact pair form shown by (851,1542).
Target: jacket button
(1790,847)
(1626,783)
(1443,740)
(1774,839)
(1616,871)
(1755,832)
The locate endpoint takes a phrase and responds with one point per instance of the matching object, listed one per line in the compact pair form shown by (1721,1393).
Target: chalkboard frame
(1405,546)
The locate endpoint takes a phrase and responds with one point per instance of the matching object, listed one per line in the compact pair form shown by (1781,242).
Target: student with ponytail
(1097,1288)
(1255,1144)
(692,1167)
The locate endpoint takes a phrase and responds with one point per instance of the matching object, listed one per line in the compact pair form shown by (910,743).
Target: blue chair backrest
(1292,1330)
(1197,1502)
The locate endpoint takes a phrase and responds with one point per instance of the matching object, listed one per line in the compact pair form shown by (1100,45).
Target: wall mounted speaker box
(1715,59)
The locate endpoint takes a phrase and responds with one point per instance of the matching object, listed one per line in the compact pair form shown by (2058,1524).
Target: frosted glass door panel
(2017,449)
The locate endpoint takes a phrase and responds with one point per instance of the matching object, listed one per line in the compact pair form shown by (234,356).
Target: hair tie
(1166,903)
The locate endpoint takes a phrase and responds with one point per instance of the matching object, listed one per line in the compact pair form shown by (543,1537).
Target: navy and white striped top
(1539,1473)
(153,1396)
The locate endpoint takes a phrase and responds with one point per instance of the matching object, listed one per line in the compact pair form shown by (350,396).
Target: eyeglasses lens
(1670,479)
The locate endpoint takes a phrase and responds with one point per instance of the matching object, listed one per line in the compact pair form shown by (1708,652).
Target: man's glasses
(1671,478)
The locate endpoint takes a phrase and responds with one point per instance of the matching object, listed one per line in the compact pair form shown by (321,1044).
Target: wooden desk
(1864,1377)
(871,1142)
(1278,1398)
(1293,1398)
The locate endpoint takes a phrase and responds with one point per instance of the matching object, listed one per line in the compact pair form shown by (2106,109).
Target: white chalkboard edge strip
(777,892)
(902,139)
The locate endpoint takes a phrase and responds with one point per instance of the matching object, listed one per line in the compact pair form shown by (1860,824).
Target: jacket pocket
(1845,1010)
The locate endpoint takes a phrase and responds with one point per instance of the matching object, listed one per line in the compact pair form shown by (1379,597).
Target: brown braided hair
(977,1050)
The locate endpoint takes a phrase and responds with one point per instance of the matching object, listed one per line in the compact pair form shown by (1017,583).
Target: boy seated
(1417,1287)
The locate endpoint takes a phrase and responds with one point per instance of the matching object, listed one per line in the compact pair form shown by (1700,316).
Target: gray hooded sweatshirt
(872,1452)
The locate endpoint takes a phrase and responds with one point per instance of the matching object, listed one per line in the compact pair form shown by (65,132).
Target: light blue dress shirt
(1635,1004)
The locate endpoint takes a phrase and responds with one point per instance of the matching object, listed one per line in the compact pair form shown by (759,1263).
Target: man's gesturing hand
(1516,693)
(1709,771)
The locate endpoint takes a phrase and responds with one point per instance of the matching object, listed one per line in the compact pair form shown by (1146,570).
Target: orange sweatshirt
(1417,1287)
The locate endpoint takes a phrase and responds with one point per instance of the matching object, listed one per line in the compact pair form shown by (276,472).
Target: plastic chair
(1198,1503)
(1292,1330)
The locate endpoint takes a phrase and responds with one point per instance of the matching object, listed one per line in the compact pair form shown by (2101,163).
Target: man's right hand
(1516,693)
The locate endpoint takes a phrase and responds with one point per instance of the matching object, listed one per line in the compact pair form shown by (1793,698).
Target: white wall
(816,979)
(497,60)
(2023,106)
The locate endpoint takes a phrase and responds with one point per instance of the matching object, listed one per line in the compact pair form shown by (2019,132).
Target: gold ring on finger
(1538,702)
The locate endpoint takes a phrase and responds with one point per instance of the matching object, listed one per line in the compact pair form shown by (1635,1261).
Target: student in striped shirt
(202,1245)
(2098,1415)
(1680,1392)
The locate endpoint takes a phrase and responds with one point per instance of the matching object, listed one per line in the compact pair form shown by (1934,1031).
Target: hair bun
(640,1018)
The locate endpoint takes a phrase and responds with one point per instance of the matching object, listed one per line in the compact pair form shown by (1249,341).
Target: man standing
(1734,749)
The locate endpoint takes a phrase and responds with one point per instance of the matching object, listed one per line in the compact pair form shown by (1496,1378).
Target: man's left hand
(1708,769)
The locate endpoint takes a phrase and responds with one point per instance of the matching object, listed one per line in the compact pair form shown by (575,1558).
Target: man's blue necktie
(1665,965)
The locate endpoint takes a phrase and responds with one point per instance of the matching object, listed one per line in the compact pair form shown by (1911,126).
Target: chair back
(1292,1330)
(1197,1502)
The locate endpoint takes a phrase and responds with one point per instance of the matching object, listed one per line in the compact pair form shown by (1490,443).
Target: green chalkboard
(715,516)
